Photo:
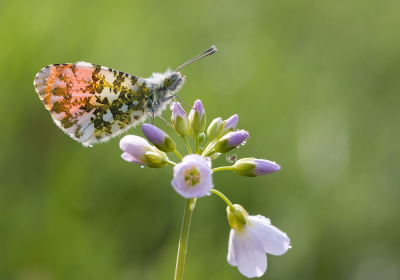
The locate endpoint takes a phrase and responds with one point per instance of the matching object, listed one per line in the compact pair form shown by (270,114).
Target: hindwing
(92,103)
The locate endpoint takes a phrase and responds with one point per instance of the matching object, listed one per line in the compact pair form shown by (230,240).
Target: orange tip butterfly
(93,103)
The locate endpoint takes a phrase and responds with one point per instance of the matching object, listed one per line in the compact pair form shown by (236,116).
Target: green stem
(177,154)
(183,240)
(187,145)
(208,143)
(209,153)
(197,145)
(206,148)
(224,198)
(232,168)
(171,163)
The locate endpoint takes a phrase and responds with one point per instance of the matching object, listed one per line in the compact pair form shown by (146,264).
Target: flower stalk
(228,202)
(183,240)
(187,145)
(231,168)
(177,154)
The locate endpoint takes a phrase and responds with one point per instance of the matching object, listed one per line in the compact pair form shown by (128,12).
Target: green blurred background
(316,83)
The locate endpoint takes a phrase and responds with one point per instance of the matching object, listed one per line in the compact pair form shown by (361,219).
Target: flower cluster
(251,237)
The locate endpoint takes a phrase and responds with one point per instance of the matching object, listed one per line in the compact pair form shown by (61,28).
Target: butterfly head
(174,81)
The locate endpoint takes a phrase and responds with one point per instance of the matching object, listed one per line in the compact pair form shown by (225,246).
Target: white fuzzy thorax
(158,78)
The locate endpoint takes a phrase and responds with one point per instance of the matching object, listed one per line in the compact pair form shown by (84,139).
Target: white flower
(192,177)
(249,243)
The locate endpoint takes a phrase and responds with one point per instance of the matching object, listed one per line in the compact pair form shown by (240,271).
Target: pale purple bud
(153,133)
(264,167)
(230,124)
(231,140)
(198,106)
(237,138)
(252,167)
(177,110)
(179,119)
(158,137)
(197,119)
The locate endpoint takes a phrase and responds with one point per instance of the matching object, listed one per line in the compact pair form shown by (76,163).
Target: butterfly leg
(168,98)
(166,122)
(154,110)
(148,116)
(182,101)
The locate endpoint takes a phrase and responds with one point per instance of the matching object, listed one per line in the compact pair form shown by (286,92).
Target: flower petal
(231,253)
(248,252)
(274,240)
(264,167)
(134,145)
(130,158)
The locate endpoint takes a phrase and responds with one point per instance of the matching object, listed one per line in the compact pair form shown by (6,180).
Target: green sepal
(245,167)
(181,126)
(222,146)
(237,216)
(197,124)
(214,129)
(202,137)
(224,130)
(168,145)
(155,158)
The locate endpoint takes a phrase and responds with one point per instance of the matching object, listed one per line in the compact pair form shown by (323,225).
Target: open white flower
(192,177)
(249,243)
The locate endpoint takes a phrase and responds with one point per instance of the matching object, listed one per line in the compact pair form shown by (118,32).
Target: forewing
(89,102)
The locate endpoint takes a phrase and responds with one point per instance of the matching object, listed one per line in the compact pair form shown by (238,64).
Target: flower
(179,119)
(197,119)
(249,242)
(231,140)
(138,150)
(230,124)
(192,177)
(252,167)
(158,137)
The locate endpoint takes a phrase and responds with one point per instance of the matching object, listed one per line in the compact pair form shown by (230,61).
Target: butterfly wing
(91,103)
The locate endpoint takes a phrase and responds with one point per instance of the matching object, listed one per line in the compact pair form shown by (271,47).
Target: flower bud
(230,141)
(237,216)
(229,125)
(202,137)
(197,119)
(158,137)
(252,167)
(214,129)
(179,119)
(138,150)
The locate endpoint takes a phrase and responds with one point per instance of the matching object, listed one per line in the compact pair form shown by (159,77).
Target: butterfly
(93,103)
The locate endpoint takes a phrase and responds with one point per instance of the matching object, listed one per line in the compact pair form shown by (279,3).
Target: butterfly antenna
(207,52)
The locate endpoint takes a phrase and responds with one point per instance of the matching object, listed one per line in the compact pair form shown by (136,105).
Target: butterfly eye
(168,81)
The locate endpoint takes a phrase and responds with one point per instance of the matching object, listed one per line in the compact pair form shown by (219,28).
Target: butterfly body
(92,103)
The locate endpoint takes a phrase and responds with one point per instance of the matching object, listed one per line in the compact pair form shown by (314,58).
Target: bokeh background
(316,83)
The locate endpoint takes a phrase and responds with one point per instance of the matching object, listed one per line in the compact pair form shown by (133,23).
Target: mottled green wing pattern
(92,103)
